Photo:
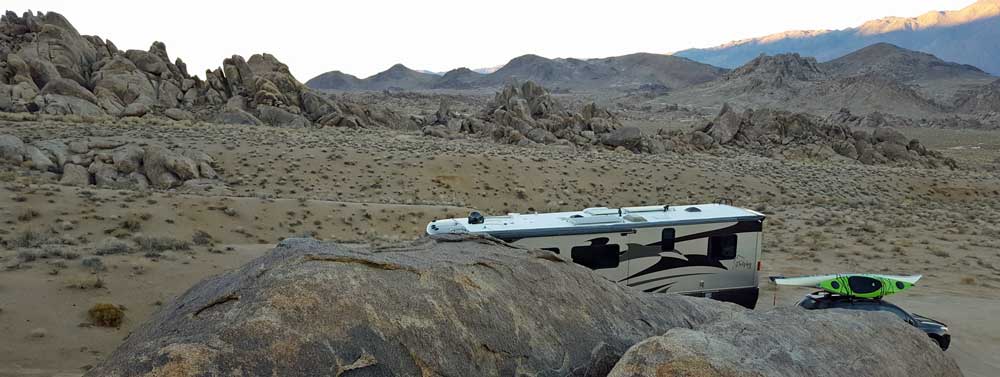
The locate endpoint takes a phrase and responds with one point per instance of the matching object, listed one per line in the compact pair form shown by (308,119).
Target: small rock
(38,333)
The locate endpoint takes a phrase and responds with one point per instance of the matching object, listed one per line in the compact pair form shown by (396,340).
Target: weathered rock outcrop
(983,99)
(785,134)
(471,308)
(478,307)
(526,114)
(777,69)
(109,162)
(790,342)
(47,66)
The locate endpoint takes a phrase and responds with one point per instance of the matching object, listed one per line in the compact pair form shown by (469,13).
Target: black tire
(937,340)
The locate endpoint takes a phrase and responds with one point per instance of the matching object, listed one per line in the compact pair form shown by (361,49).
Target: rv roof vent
(476,218)
(692,209)
(587,220)
(598,211)
(635,218)
(645,209)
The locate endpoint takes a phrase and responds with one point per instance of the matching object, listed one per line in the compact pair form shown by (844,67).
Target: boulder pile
(110,162)
(782,71)
(47,67)
(526,114)
(790,135)
(465,307)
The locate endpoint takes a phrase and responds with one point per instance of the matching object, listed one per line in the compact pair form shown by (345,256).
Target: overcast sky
(365,37)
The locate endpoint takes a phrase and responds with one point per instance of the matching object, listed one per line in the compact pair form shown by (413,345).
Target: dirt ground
(69,248)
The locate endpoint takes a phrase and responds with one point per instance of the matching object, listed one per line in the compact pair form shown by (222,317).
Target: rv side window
(722,247)
(596,256)
(667,240)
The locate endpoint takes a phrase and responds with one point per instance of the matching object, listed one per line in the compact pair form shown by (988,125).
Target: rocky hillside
(984,99)
(620,72)
(879,78)
(47,67)
(965,36)
(472,307)
(900,64)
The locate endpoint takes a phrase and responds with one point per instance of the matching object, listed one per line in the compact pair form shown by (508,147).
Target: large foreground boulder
(470,308)
(479,307)
(791,342)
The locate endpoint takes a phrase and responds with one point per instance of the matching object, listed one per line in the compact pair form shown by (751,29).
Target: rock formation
(46,66)
(109,162)
(778,71)
(785,134)
(465,307)
(787,342)
(470,308)
(982,100)
(526,114)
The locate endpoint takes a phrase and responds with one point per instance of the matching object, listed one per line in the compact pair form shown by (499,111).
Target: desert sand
(379,186)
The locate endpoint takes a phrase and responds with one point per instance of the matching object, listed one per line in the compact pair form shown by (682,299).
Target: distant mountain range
(970,36)
(881,77)
(922,72)
(477,70)
(619,72)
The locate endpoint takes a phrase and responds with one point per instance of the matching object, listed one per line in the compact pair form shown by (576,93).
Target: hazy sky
(365,37)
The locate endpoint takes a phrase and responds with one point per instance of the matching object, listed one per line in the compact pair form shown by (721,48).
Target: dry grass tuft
(106,315)
(149,243)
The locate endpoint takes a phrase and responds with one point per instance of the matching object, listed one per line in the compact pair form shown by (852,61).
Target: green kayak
(857,285)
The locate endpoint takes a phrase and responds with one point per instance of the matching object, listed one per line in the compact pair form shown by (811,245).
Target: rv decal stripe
(654,289)
(740,227)
(630,284)
(693,260)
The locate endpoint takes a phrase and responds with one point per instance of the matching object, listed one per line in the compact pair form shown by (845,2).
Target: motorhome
(707,250)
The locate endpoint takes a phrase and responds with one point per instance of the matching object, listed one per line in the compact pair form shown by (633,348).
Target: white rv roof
(593,220)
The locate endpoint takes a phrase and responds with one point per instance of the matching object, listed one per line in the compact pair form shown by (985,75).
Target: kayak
(856,285)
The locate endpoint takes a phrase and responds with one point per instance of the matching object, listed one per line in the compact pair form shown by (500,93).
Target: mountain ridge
(966,36)
(627,71)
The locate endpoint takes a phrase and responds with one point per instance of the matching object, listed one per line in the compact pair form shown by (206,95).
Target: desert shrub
(93,263)
(7,176)
(86,282)
(27,214)
(27,256)
(52,251)
(201,237)
(968,280)
(111,246)
(940,253)
(30,238)
(106,315)
(156,244)
(133,222)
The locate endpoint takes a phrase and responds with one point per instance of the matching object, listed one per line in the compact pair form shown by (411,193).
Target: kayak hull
(856,285)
